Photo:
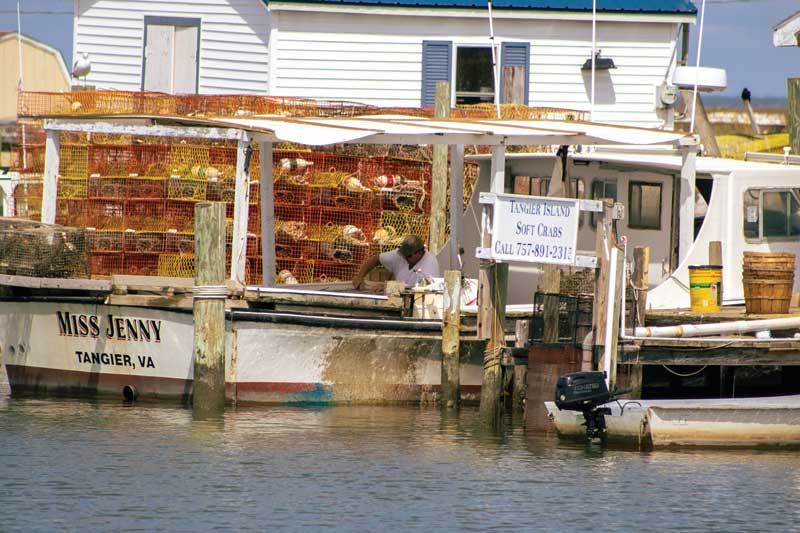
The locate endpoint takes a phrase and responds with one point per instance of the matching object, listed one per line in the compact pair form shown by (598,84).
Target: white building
(389,53)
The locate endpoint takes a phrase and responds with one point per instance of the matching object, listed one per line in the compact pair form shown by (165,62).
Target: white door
(170,58)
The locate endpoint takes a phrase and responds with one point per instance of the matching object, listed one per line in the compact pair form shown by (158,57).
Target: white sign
(532,229)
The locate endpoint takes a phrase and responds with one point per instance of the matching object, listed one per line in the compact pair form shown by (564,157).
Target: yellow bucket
(705,288)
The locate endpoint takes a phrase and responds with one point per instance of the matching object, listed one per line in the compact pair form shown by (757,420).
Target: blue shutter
(512,55)
(437,57)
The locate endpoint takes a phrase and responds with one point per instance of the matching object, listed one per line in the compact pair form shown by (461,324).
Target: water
(80,465)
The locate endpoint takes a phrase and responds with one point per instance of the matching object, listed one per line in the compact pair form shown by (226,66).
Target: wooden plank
(456,203)
(514,85)
(266,190)
(702,125)
(439,175)
(338,302)
(742,353)
(50,187)
(95,285)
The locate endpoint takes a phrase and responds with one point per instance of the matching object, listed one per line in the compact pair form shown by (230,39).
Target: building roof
(787,31)
(607,6)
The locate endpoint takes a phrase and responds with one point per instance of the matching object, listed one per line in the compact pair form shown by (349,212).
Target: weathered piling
(451,340)
(439,175)
(209,293)
(521,337)
(493,282)
(640,281)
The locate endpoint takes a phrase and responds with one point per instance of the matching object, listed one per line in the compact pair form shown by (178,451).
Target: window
(603,188)
(771,214)
(171,53)
(474,79)
(644,205)
(474,76)
(531,185)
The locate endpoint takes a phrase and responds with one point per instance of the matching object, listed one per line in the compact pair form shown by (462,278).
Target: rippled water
(80,465)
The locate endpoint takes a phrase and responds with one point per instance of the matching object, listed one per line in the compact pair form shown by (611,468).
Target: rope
(209,292)
(684,375)
(491,357)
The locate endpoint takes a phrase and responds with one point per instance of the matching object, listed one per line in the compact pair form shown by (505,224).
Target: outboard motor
(586,392)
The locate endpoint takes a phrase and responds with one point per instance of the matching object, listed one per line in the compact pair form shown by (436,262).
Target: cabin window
(474,76)
(644,205)
(537,186)
(771,214)
(602,188)
(531,185)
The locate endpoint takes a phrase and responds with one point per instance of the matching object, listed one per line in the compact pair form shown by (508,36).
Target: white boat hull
(708,422)
(85,349)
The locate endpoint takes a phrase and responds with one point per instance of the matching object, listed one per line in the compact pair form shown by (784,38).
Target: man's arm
(368,265)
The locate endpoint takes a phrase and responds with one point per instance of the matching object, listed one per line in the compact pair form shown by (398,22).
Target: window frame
(454,90)
(631,184)
(594,216)
(793,192)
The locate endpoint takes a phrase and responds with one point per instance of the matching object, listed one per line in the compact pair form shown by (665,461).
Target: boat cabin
(748,206)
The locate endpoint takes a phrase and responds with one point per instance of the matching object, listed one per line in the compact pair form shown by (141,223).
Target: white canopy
(379,129)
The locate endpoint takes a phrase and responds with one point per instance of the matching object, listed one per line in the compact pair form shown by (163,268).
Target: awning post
(688,150)
(266,188)
(241,208)
(52,160)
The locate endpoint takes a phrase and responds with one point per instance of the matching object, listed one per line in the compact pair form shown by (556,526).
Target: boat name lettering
(115,359)
(110,326)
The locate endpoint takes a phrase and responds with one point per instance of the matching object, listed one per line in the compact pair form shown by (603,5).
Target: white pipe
(495,65)
(587,351)
(697,65)
(719,328)
(594,52)
(610,303)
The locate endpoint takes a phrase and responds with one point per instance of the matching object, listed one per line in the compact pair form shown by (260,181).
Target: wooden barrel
(768,280)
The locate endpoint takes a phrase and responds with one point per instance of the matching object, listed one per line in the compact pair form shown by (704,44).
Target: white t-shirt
(398,266)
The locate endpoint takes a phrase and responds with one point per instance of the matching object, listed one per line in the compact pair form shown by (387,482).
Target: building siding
(377,59)
(42,70)
(234,42)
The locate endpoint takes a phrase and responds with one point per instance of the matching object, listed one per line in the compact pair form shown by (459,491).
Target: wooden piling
(521,337)
(451,340)
(715,253)
(209,293)
(551,287)
(496,274)
(793,113)
(439,175)
(640,275)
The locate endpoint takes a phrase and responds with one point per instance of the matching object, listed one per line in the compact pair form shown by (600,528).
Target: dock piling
(451,340)
(209,293)
(495,277)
